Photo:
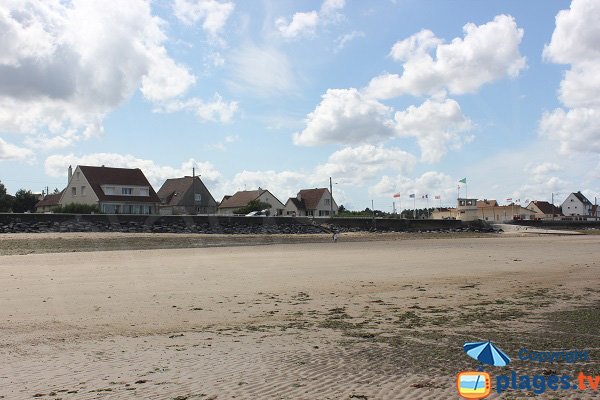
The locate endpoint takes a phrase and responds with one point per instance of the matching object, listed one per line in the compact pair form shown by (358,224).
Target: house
(113,190)
(187,195)
(241,199)
(544,210)
(49,203)
(311,203)
(576,205)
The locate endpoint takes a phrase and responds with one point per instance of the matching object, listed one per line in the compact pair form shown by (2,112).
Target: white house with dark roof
(311,202)
(113,190)
(577,205)
(241,199)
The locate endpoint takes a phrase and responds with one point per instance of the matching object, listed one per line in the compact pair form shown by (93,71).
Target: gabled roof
(487,203)
(98,176)
(241,198)
(299,204)
(50,200)
(173,190)
(546,207)
(312,197)
(582,198)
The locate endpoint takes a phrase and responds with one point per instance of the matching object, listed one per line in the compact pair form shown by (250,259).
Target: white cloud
(212,13)
(11,152)
(357,165)
(343,40)
(56,166)
(575,41)
(346,116)
(265,71)
(431,183)
(305,24)
(65,65)
(281,184)
(486,53)
(302,24)
(577,129)
(541,181)
(216,110)
(437,125)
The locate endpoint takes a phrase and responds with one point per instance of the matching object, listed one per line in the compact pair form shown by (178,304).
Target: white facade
(574,206)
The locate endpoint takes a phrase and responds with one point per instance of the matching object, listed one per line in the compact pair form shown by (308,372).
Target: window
(83,190)
(74,191)
(198,197)
(126,191)
(327,202)
(144,192)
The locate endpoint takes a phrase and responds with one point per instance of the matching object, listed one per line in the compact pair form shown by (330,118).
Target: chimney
(70,174)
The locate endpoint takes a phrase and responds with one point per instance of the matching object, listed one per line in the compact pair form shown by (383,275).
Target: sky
(385,97)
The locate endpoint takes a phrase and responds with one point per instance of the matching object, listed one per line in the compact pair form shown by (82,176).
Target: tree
(24,201)
(6,200)
(341,208)
(254,205)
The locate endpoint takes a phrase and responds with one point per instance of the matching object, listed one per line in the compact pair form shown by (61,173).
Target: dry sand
(363,320)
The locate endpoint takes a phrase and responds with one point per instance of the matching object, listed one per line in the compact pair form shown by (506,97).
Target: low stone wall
(570,225)
(28,223)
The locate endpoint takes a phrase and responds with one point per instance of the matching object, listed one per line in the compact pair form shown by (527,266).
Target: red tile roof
(98,176)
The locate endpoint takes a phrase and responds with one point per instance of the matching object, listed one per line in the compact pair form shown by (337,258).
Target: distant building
(241,199)
(312,203)
(544,210)
(576,205)
(187,195)
(49,203)
(486,210)
(113,190)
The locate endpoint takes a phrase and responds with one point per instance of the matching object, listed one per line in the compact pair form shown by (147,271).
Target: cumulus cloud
(64,65)
(437,125)
(264,71)
(486,53)
(56,166)
(282,184)
(11,152)
(304,24)
(212,13)
(575,42)
(357,165)
(542,180)
(346,116)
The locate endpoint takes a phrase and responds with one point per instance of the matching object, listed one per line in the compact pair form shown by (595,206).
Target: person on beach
(335,237)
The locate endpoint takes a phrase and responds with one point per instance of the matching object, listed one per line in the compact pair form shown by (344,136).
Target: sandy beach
(357,319)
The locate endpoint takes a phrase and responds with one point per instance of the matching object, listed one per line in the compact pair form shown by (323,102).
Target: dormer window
(126,191)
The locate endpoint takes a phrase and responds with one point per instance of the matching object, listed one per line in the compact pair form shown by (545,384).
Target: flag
(463,180)
(412,196)
(425,196)
(438,197)
(510,199)
(396,194)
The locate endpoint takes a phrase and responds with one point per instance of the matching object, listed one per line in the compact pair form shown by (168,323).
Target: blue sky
(386,97)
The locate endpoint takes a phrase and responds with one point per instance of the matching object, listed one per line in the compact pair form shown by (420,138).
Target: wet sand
(355,319)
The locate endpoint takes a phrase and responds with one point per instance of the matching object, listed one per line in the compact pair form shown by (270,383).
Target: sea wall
(15,223)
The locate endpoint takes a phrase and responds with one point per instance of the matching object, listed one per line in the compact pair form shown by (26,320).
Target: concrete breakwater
(207,224)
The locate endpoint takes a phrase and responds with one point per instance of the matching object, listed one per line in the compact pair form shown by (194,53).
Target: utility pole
(553,206)
(331,199)
(194,189)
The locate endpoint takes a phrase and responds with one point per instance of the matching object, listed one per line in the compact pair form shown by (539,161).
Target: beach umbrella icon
(486,353)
